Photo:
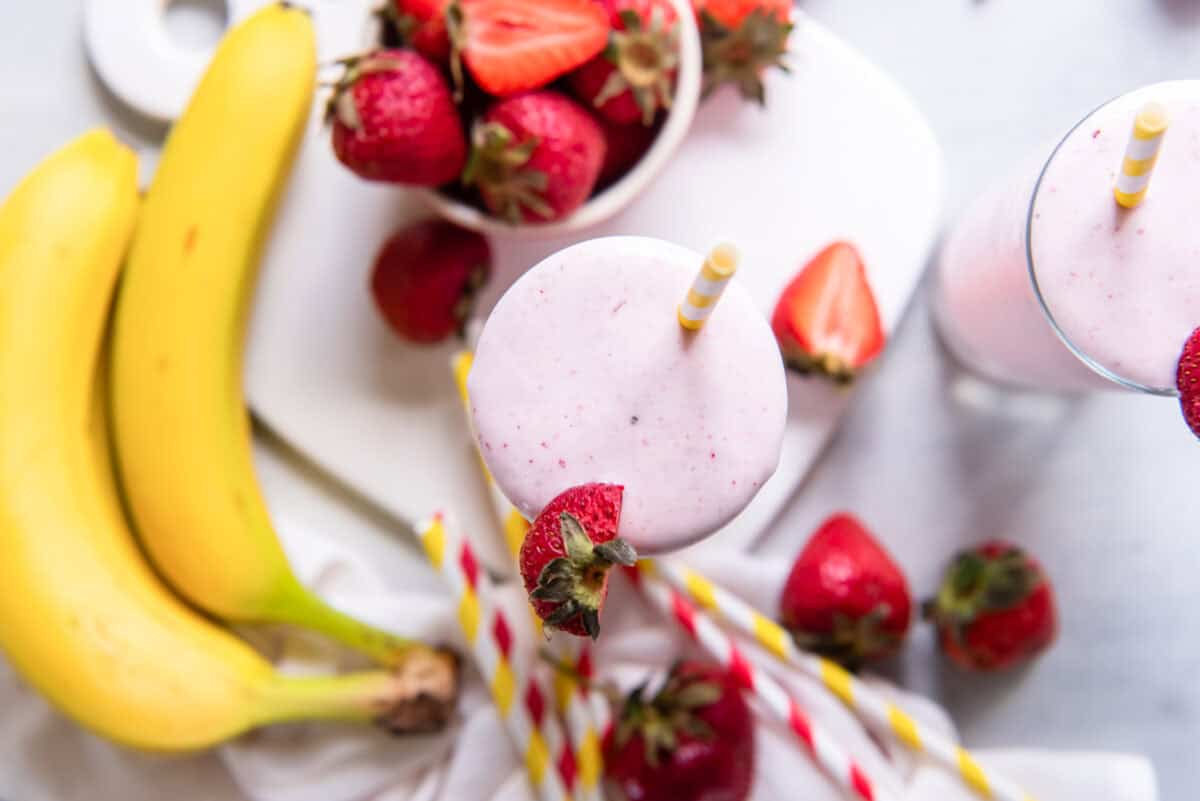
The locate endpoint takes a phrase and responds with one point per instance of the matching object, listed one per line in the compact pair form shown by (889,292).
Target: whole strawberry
(422,23)
(826,319)
(742,39)
(426,277)
(1187,381)
(845,598)
(566,556)
(692,741)
(394,120)
(635,76)
(625,146)
(535,157)
(995,608)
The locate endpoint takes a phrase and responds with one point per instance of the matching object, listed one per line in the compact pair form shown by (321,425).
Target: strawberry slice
(1187,381)
(826,320)
(512,46)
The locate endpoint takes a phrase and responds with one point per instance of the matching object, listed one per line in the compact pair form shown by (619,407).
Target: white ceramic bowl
(617,196)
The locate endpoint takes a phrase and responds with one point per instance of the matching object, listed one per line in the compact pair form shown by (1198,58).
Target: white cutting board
(840,152)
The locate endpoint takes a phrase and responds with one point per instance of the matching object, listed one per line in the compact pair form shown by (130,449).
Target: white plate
(840,152)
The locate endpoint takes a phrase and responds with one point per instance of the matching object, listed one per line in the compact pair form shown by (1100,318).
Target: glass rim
(1078,352)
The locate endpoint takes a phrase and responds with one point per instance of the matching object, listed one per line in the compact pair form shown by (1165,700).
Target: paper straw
(519,697)
(570,699)
(826,751)
(512,522)
(859,697)
(706,289)
(1141,154)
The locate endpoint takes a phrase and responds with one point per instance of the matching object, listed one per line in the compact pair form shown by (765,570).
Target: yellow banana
(83,618)
(182,433)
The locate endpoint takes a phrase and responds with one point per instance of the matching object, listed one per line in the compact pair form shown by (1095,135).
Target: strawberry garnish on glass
(567,555)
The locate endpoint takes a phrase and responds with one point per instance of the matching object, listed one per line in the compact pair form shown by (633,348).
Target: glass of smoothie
(611,362)
(1048,282)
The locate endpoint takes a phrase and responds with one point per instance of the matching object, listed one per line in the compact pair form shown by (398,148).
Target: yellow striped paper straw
(512,522)
(837,763)
(1141,154)
(856,695)
(581,713)
(519,697)
(706,289)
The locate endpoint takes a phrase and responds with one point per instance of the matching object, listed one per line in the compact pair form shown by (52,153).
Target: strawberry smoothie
(1120,287)
(584,374)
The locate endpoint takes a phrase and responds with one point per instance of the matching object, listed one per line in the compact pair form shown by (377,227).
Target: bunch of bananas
(83,617)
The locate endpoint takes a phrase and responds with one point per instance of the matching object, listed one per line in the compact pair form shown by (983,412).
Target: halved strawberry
(1187,381)
(512,46)
(826,319)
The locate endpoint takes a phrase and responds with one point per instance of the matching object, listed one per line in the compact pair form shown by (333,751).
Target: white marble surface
(1103,488)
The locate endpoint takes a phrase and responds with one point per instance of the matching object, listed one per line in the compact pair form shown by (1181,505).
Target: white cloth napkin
(475,761)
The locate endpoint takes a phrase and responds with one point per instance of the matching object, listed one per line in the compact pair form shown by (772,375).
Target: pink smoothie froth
(1124,285)
(583,374)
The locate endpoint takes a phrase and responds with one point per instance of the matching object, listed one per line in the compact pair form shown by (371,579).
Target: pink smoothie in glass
(1122,286)
(583,374)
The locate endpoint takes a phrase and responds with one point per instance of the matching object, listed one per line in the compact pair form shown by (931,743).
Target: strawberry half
(995,608)
(635,76)
(692,741)
(1187,381)
(845,597)
(826,319)
(566,556)
(513,46)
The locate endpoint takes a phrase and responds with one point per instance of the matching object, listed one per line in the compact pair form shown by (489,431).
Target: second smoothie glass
(990,300)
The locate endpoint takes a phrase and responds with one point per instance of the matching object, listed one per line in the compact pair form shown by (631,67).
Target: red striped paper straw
(579,711)
(829,755)
(520,698)
(857,696)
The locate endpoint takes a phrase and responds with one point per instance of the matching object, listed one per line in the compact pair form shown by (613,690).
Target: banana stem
(418,697)
(353,697)
(303,608)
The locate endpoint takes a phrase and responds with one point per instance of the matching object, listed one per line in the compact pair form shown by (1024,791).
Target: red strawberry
(742,39)
(1187,381)
(693,741)
(845,598)
(626,144)
(826,319)
(995,608)
(535,157)
(394,120)
(567,553)
(513,46)
(426,277)
(635,76)
(422,23)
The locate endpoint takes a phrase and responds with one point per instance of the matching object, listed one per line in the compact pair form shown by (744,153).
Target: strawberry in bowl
(546,116)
